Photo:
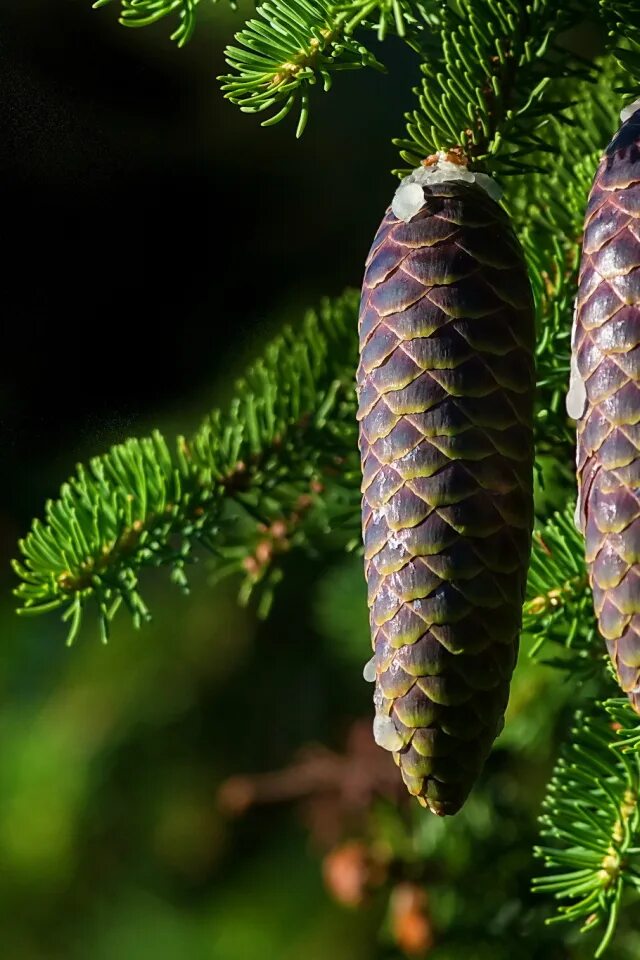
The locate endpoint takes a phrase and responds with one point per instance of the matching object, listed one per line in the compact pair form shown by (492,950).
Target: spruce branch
(625,723)
(558,606)
(276,469)
(383,16)
(292,44)
(591,820)
(488,92)
(553,269)
(548,209)
(622,18)
(143,13)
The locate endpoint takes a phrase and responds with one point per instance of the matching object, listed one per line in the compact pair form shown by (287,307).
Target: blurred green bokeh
(113,844)
(111,841)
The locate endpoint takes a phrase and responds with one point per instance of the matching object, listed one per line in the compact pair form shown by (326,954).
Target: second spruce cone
(605,400)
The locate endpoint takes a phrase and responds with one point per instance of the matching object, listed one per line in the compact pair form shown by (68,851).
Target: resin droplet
(629,111)
(577,395)
(577,516)
(489,185)
(409,197)
(407,201)
(369,672)
(385,733)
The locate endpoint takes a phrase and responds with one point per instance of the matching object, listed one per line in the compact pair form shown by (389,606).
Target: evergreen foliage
(143,13)
(558,608)
(277,468)
(625,723)
(489,88)
(623,20)
(283,52)
(591,819)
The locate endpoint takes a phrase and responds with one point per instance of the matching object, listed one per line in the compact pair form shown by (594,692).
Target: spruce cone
(605,399)
(445,384)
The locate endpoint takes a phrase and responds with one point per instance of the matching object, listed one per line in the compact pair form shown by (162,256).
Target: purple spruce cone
(445,385)
(606,400)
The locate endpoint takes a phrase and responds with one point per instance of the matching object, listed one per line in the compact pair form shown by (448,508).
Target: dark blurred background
(153,236)
(207,787)
(151,231)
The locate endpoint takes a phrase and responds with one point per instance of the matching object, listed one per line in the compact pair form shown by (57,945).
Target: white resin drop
(489,185)
(407,201)
(369,672)
(409,197)
(629,111)
(394,543)
(577,395)
(577,516)
(385,733)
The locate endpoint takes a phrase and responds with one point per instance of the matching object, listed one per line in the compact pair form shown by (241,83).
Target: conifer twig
(144,13)
(284,447)
(491,87)
(591,820)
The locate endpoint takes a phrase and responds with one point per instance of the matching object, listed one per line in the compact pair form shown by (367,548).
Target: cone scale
(605,400)
(445,388)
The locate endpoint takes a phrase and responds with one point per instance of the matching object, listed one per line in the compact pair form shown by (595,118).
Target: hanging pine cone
(445,382)
(604,398)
